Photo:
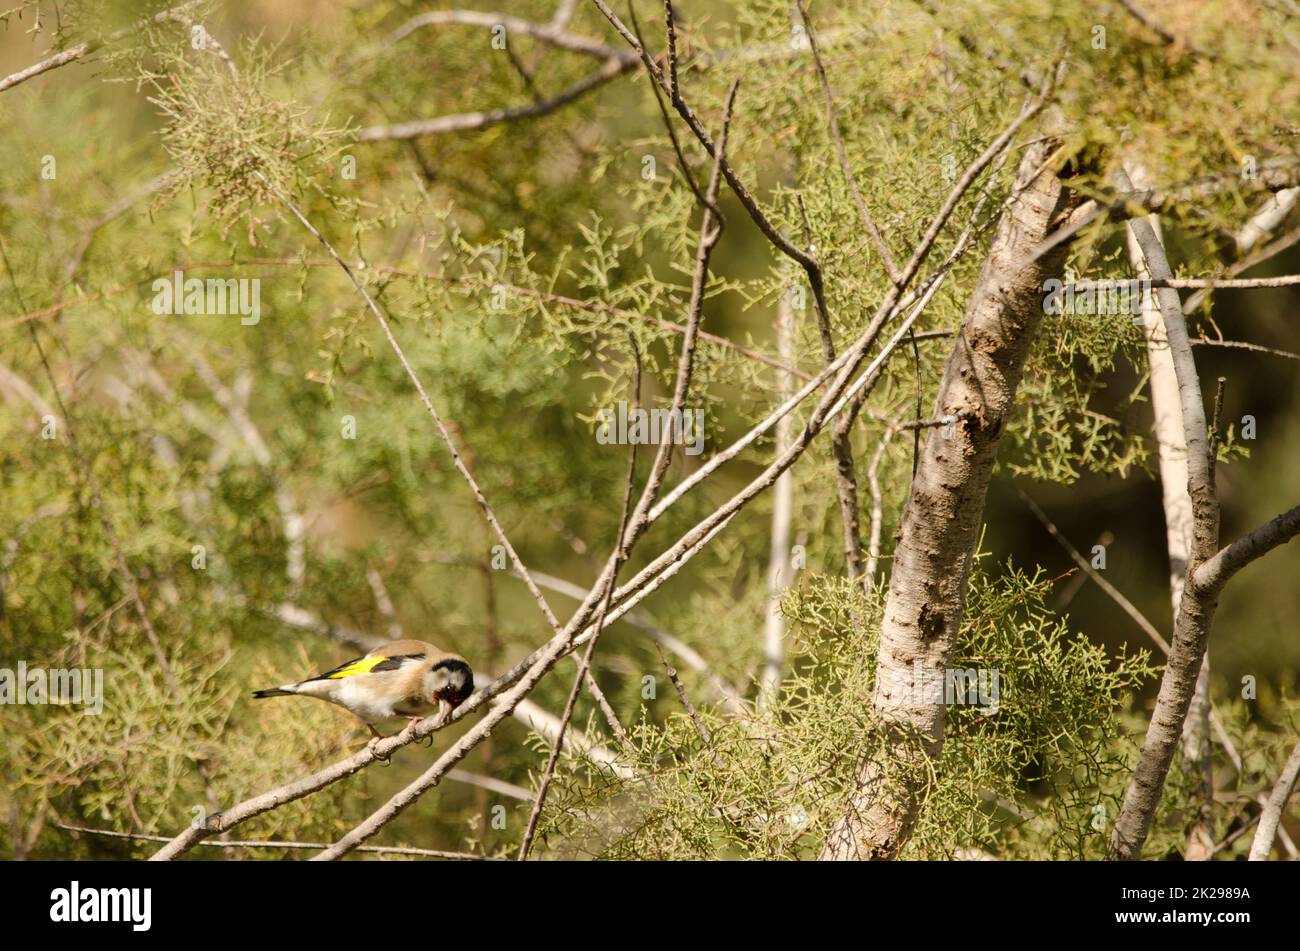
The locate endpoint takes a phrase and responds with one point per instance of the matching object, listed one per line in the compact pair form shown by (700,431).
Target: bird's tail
(273,692)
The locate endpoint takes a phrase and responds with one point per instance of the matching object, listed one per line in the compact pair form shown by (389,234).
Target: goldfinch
(404,678)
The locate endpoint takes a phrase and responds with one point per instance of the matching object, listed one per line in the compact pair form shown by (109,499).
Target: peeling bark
(941,521)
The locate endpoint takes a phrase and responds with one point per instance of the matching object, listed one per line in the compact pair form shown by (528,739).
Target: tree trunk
(941,521)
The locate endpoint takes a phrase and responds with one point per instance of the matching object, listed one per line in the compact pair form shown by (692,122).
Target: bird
(405,678)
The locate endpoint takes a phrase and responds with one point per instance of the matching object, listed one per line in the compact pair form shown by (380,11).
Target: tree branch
(274,844)
(1271,817)
(74,53)
(1271,176)
(471,121)
(553,34)
(1212,574)
(1196,606)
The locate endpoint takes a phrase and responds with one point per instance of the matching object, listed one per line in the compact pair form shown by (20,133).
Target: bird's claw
(408,734)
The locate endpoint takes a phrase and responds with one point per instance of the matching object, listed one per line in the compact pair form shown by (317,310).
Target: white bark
(1265,221)
(1271,817)
(782,510)
(1176,503)
(1178,684)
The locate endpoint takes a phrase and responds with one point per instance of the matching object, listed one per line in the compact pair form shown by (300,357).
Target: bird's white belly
(364,703)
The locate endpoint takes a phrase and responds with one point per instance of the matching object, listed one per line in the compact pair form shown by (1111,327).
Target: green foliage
(1020,776)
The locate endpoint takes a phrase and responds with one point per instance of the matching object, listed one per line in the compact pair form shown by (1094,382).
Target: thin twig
(553,34)
(1243,345)
(472,121)
(710,230)
(700,729)
(273,844)
(1272,249)
(868,225)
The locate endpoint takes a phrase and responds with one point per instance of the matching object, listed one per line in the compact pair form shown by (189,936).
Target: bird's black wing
(368,665)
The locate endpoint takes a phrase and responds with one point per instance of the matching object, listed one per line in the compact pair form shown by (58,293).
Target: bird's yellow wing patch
(363,665)
(368,665)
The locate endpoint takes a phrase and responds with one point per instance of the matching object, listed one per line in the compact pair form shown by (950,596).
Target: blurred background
(201,432)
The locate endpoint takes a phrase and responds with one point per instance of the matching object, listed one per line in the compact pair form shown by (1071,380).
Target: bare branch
(553,34)
(470,121)
(1211,575)
(1272,176)
(1243,345)
(1178,684)
(74,53)
(1154,26)
(1271,817)
(274,844)
(1176,505)
(700,729)
(670,28)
